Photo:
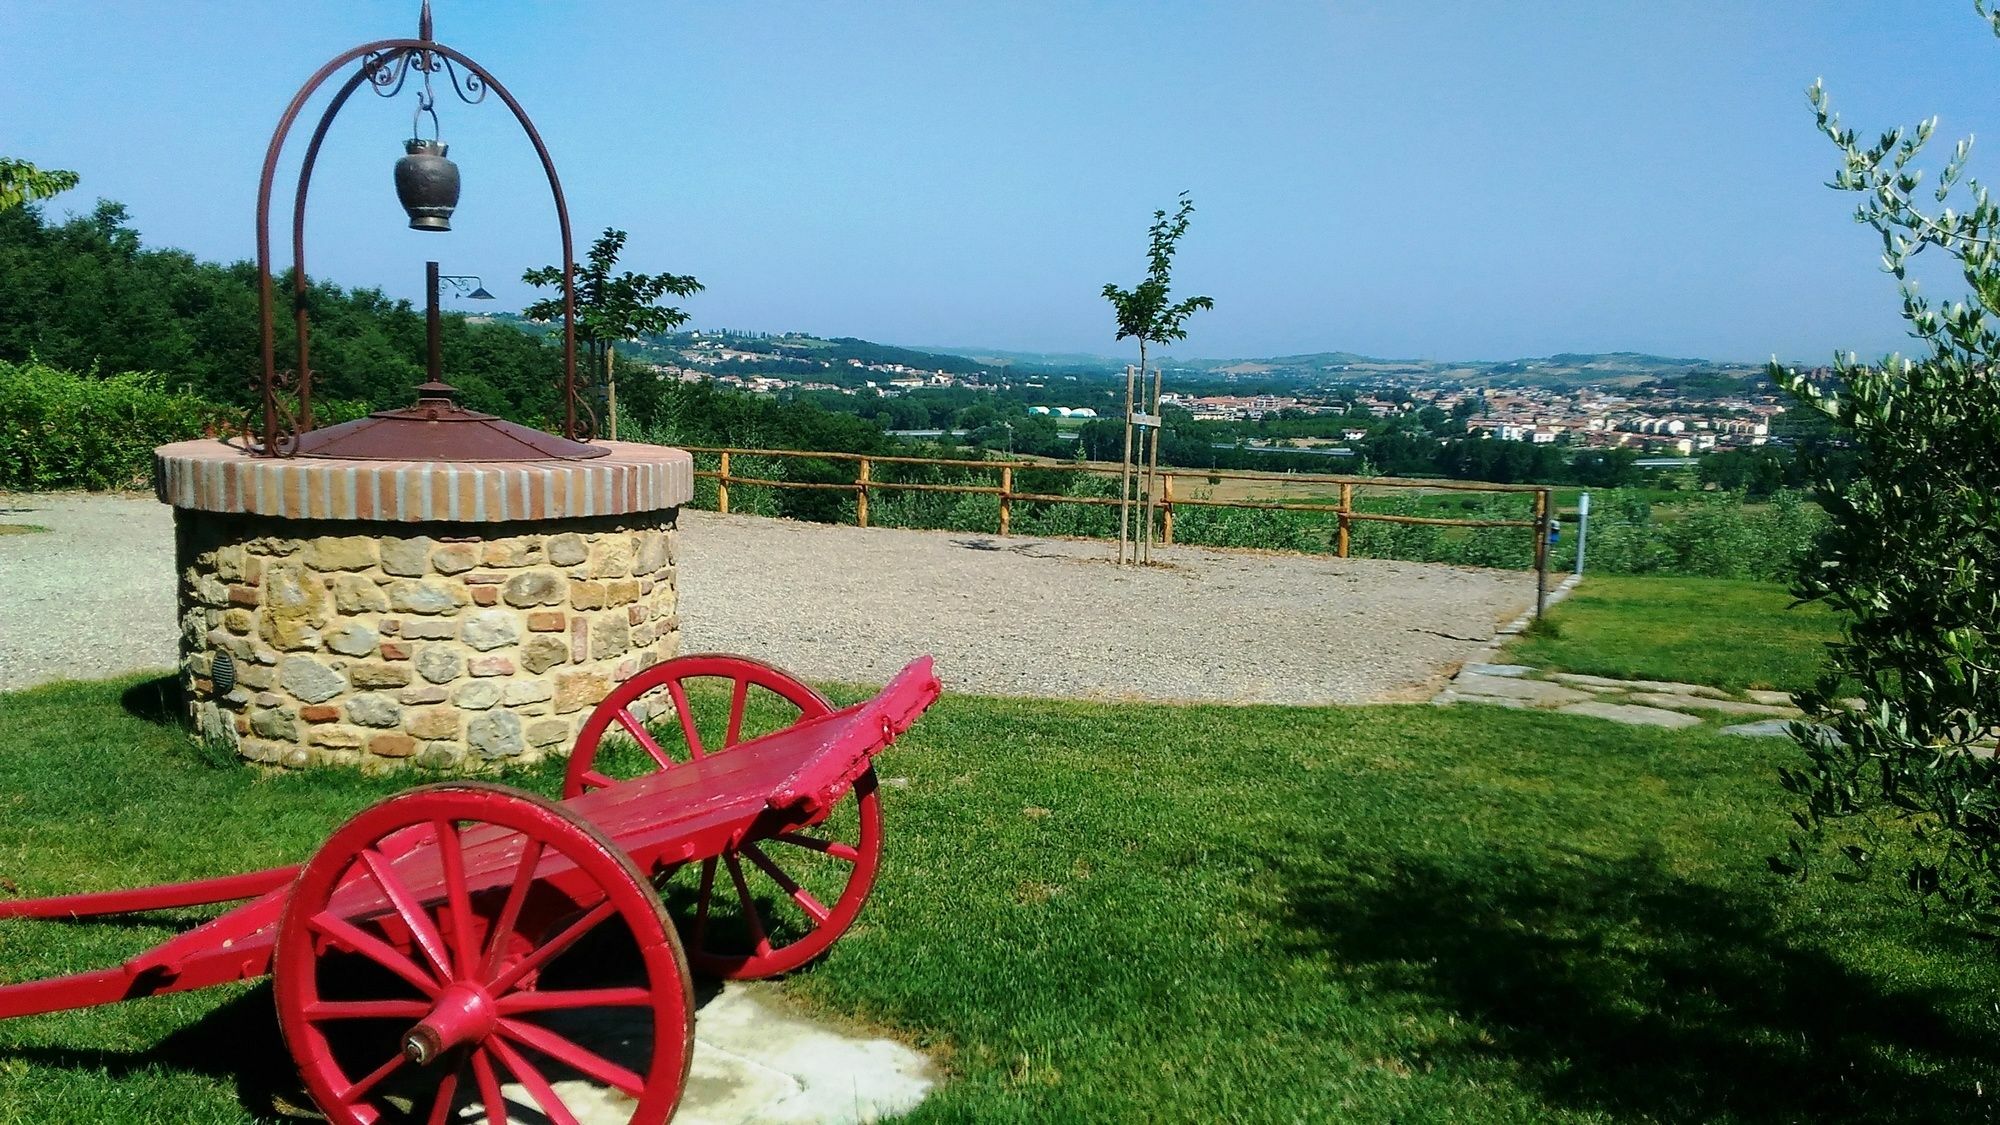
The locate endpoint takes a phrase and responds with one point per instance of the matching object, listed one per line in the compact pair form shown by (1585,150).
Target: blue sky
(1437,180)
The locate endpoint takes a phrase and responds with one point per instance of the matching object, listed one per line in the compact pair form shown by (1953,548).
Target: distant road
(1316,451)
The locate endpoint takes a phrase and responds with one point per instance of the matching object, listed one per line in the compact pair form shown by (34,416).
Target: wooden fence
(864,484)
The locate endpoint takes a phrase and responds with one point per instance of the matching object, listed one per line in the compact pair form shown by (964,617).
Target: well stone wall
(451,645)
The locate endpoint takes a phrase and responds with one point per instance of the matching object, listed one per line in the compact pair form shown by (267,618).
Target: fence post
(1346,507)
(1541,551)
(1006,497)
(861,495)
(722,486)
(1167,510)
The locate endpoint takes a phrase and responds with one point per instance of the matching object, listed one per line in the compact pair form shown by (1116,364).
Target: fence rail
(864,484)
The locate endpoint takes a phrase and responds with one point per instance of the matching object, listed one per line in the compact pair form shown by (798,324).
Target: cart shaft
(200,892)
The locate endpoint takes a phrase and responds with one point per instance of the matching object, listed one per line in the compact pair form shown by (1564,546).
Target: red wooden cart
(459,945)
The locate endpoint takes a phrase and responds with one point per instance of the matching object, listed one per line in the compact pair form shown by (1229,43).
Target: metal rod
(301,333)
(433,325)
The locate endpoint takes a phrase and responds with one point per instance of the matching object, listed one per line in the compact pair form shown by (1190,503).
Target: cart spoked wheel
(768,907)
(465,952)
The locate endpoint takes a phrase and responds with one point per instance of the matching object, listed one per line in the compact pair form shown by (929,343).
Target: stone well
(363,612)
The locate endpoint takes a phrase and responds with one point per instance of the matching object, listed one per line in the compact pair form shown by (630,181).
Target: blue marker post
(1582,527)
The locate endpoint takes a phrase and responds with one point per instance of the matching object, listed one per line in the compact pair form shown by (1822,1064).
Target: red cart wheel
(465,945)
(782,901)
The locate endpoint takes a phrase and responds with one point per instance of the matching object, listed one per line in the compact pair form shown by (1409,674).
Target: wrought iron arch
(386,65)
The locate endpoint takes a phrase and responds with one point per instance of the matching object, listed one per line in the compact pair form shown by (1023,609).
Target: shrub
(63,429)
(1911,557)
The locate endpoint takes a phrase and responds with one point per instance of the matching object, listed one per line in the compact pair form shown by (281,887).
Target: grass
(20,528)
(1438,501)
(1715,631)
(1148,913)
(1566,495)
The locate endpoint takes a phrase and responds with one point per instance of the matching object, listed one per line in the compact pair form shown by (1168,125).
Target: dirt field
(94,596)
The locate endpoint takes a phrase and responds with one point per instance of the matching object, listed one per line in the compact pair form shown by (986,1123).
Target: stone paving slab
(1609,684)
(1534,691)
(1703,703)
(1446,699)
(1588,683)
(1769,698)
(1633,715)
(1510,671)
(1762,728)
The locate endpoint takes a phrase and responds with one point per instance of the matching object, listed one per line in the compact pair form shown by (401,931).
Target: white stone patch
(802,1071)
(756,1059)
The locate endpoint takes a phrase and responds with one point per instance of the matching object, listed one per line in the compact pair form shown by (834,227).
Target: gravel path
(1046,617)
(94,597)
(91,597)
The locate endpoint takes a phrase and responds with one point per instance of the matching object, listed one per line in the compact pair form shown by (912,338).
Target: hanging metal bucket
(427,184)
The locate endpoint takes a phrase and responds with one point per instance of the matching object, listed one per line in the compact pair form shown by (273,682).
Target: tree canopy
(612,306)
(22,182)
(84,293)
(1147,312)
(1911,554)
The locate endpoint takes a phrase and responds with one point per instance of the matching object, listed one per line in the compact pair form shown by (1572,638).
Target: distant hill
(1561,369)
(801,352)
(1050,361)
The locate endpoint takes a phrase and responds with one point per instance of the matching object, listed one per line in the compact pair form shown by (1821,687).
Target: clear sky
(1434,180)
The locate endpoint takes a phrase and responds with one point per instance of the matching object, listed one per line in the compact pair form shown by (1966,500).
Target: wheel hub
(464,1014)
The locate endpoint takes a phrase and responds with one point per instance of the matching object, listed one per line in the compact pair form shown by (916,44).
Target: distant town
(1646,404)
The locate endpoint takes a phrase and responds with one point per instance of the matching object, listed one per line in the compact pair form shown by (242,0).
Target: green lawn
(1151,913)
(1566,496)
(1724,633)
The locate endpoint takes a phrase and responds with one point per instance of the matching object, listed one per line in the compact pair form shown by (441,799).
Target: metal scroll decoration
(280,395)
(385,67)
